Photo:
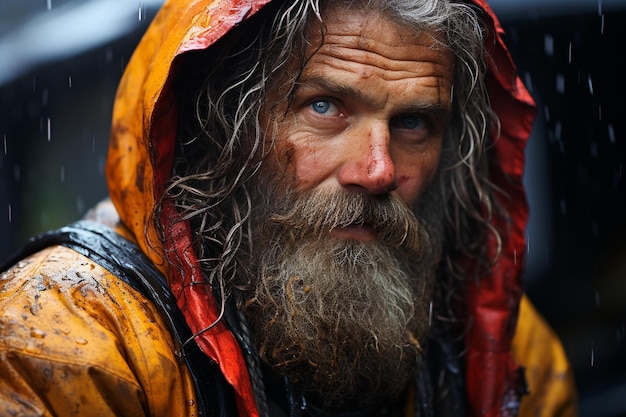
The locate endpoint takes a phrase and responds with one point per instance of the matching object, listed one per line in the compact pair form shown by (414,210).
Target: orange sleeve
(549,376)
(77,341)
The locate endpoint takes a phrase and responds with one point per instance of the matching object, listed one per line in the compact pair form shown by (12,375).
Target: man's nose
(368,165)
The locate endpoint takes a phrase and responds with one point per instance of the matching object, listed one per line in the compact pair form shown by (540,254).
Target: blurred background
(61,60)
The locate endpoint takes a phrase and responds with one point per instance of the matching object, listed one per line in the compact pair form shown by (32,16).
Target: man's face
(342,269)
(369,112)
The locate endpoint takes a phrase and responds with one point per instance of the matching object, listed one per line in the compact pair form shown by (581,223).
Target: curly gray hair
(221,141)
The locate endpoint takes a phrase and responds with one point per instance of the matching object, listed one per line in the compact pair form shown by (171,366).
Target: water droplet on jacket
(38,334)
(34,309)
(81,341)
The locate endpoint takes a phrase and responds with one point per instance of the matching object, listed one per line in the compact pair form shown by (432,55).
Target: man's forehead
(358,29)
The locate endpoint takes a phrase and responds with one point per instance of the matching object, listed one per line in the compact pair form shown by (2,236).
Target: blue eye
(321,107)
(411,122)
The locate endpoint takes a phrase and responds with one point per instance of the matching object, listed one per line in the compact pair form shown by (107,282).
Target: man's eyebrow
(335,88)
(341,90)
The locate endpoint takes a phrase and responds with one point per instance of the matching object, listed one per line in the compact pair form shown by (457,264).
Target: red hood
(140,160)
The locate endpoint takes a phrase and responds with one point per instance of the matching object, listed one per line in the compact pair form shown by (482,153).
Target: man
(332,191)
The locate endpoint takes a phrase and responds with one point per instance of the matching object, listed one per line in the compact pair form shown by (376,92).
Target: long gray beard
(341,319)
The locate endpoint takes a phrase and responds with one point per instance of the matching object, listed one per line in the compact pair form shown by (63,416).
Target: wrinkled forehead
(417,16)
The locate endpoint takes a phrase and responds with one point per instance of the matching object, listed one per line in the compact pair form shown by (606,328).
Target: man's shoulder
(549,375)
(70,328)
(59,298)
(55,271)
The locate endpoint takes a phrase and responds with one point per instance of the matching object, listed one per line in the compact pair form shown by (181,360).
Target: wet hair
(221,141)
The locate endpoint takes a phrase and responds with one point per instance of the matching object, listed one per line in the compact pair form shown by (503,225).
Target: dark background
(54,127)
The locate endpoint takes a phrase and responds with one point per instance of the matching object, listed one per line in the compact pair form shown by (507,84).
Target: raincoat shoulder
(77,341)
(551,389)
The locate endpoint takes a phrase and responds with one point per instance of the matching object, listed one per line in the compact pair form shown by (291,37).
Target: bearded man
(328,213)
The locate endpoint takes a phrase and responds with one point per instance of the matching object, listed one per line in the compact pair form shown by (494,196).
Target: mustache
(317,213)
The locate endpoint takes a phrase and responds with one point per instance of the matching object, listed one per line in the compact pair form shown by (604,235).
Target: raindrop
(597,298)
(430,314)
(569,53)
(69,81)
(548,45)
(80,204)
(558,129)
(594,150)
(93,144)
(546,112)
(5,144)
(590,83)
(599,7)
(609,127)
(528,81)
(34,84)
(49,4)
(592,355)
(62,173)
(10,213)
(600,112)
(48,129)
(140,11)
(37,334)
(602,24)
(44,97)
(515,257)
(560,83)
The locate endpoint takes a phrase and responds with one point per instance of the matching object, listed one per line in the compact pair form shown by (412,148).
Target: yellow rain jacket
(77,340)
